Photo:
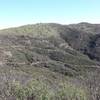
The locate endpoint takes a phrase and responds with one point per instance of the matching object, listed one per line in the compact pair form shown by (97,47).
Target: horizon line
(19,25)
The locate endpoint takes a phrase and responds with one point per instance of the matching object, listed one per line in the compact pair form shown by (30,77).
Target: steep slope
(48,54)
(42,52)
(88,39)
(40,64)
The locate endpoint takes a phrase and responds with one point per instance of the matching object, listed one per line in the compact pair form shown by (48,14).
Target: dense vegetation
(50,62)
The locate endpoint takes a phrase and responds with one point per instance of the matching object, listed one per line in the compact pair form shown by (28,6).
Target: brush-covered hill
(37,61)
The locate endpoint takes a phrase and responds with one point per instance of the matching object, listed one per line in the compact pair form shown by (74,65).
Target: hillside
(37,61)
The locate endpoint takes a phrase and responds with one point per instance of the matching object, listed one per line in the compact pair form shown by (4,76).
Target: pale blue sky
(20,12)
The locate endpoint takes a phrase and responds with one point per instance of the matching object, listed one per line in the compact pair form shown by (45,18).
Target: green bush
(40,91)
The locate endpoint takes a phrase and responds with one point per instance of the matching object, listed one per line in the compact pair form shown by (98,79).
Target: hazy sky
(20,12)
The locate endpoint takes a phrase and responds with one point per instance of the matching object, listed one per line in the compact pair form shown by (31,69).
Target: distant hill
(83,37)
